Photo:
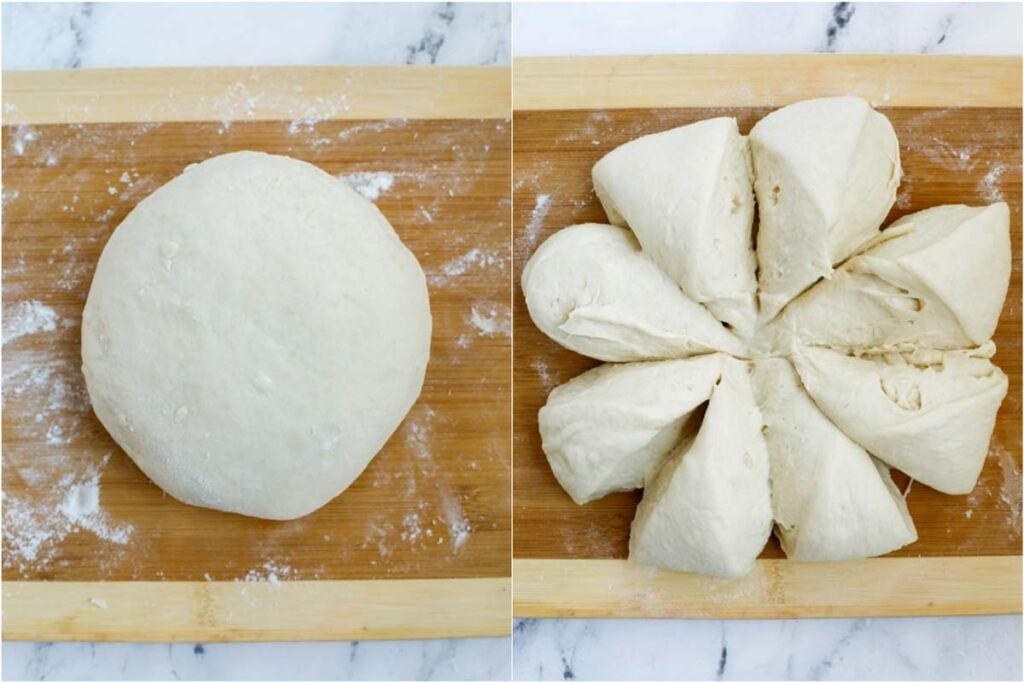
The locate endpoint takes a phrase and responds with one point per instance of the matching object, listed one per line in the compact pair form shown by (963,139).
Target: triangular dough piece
(708,509)
(832,501)
(932,422)
(936,278)
(687,194)
(612,427)
(591,289)
(826,173)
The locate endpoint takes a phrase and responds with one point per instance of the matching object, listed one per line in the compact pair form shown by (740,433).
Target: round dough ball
(254,333)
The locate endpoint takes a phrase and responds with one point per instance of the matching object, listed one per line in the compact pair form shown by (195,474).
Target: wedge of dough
(936,278)
(687,195)
(933,422)
(708,509)
(826,173)
(612,427)
(591,289)
(832,501)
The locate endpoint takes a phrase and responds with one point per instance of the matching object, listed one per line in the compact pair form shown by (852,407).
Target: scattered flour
(370,185)
(98,603)
(491,319)
(23,136)
(475,258)
(459,527)
(541,206)
(1010,490)
(988,186)
(33,528)
(376,127)
(271,572)
(547,380)
(26,318)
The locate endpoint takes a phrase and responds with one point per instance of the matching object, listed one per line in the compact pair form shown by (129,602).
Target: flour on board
(27,318)
(33,528)
(474,259)
(988,186)
(491,319)
(541,206)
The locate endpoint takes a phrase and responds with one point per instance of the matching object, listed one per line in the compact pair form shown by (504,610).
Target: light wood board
(435,503)
(951,154)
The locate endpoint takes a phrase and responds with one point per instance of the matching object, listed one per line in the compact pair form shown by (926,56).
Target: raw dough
(254,333)
(831,500)
(612,427)
(709,508)
(931,421)
(826,173)
(687,194)
(936,278)
(591,289)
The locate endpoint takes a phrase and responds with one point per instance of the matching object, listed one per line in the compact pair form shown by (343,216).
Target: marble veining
(961,648)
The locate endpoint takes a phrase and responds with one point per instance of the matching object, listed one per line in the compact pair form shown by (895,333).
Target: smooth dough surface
(254,333)
(612,427)
(709,508)
(936,278)
(831,500)
(591,289)
(687,194)
(931,420)
(826,173)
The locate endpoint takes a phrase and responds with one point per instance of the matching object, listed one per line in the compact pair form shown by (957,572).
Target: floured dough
(254,333)
(931,421)
(610,428)
(687,195)
(826,174)
(832,501)
(709,507)
(591,289)
(936,278)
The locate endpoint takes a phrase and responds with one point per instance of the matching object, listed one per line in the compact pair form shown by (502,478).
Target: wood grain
(179,611)
(255,94)
(673,81)
(950,155)
(434,504)
(776,589)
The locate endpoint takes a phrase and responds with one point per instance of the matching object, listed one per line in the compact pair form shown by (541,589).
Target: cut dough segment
(936,278)
(591,289)
(826,173)
(611,428)
(708,509)
(832,501)
(932,422)
(687,194)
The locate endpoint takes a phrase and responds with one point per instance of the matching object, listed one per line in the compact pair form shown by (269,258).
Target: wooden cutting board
(419,546)
(959,125)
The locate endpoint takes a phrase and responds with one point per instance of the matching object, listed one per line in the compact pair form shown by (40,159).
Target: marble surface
(104,35)
(628,28)
(80,35)
(941,648)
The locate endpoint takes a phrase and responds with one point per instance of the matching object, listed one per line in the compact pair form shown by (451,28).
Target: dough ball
(254,333)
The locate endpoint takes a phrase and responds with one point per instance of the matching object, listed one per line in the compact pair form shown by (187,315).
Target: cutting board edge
(225,611)
(763,80)
(194,94)
(776,589)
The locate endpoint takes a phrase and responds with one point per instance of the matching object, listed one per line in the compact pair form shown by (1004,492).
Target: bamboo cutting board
(419,546)
(959,125)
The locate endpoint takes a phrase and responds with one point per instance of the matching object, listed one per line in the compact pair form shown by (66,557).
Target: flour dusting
(33,528)
(459,527)
(989,185)
(1010,490)
(27,318)
(474,259)
(547,380)
(491,319)
(541,206)
(370,185)
(24,135)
